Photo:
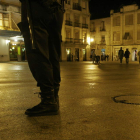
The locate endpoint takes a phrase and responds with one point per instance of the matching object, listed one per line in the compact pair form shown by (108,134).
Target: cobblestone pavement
(97,102)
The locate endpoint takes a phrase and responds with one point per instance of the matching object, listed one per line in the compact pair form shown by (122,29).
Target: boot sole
(42,114)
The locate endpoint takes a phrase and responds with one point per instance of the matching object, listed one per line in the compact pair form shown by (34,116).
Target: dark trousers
(121,60)
(127,60)
(44,60)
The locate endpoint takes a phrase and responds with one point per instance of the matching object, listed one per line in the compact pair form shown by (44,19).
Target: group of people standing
(96,54)
(121,54)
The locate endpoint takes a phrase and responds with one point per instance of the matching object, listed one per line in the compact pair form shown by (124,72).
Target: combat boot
(56,90)
(47,106)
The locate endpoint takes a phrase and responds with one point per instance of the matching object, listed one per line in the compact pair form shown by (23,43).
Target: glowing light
(7,41)
(13,48)
(88,40)
(15,40)
(92,39)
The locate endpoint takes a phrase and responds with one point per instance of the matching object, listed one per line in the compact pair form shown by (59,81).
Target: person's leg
(55,48)
(120,60)
(41,68)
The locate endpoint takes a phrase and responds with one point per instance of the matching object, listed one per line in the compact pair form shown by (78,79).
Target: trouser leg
(120,60)
(38,59)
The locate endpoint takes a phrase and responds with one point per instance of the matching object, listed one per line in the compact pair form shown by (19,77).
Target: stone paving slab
(95,103)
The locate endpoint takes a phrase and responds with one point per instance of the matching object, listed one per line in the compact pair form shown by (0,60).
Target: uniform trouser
(44,60)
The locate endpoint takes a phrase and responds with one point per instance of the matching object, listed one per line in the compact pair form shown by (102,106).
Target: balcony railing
(92,30)
(76,6)
(77,24)
(78,41)
(85,26)
(102,29)
(69,40)
(69,23)
(103,42)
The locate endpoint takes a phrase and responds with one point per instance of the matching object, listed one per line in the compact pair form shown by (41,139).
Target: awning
(8,33)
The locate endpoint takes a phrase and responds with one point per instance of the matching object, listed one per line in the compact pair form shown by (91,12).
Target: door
(23,54)
(134,54)
(84,54)
(13,53)
(76,54)
(68,50)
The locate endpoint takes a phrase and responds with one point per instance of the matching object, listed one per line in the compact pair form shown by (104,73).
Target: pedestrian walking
(93,56)
(121,54)
(98,54)
(127,53)
(41,28)
(139,55)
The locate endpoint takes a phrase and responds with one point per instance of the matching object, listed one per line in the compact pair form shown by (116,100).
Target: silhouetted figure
(98,54)
(127,53)
(107,57)
(41,28)
(121,54)
(139,55)
(93,56)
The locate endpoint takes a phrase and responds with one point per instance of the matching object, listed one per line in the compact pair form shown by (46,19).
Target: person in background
(98,54)
(139,55)
(127,53)
(93,56)
(121,55)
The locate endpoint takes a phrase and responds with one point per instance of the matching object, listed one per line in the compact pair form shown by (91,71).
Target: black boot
(47,106)
(56,90)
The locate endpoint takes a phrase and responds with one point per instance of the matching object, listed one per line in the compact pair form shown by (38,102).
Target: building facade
(100,34)
(125,31)
(76,31)
(11,42)
(121,29)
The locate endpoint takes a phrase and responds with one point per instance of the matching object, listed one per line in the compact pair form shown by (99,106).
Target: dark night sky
(101,8)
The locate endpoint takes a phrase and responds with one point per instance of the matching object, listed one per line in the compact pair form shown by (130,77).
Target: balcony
(102,29)
(85,26)
(69,23)
(76,6)
(78,41)
(103,42)
(92,30)
(69,40)
(77,24)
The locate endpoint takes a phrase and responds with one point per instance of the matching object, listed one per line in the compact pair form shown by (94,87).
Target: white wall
(4,50)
